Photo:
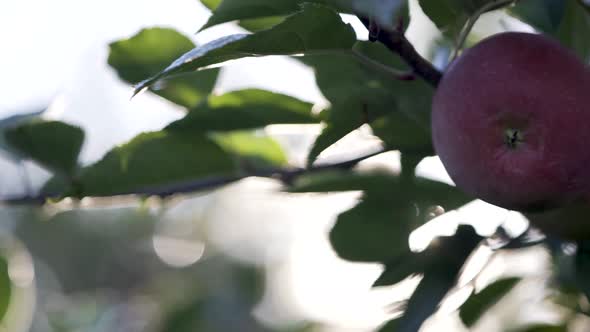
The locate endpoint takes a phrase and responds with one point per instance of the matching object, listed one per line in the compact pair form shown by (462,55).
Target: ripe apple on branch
(511,124)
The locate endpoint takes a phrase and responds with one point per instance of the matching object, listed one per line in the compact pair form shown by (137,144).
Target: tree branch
(286,175)
(396,41)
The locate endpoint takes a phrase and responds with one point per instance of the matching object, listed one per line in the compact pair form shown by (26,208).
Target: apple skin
(511,123)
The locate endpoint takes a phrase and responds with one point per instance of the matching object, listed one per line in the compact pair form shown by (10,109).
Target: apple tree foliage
(366,82)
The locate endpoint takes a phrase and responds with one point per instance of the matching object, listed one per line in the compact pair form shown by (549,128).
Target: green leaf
(331,134)
(574,29)
(544,15)
(5,288)
(189,317)
(233,10)
(211,4)
(11,122)
(445,259)
(377,229)
(252,151)
(334,181)
(362,93)
(479,303)
(343,118)
(412,263)
(54,145)
(450,16)
(390,326)
(398,132)
(260,24)
(582,267)
(385,11)
(420,191)
(149,52)
(426,299)
(245,109)
(151,160)
(566,20)
(253,24)
(400,268)
(316,28)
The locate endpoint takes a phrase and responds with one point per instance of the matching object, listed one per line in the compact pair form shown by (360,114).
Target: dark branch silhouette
(396,41)
(286,175)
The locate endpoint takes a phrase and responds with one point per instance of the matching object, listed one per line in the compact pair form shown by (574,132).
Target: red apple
(511,122)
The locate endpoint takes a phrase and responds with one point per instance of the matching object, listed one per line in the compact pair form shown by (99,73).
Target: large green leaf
(377,229)
(245,109)
(11,122)
(385,11)
(361,92)
(566,20)
(315,28)
(152,160)
(479,303)
(5,288)
(149,52)
(54,145)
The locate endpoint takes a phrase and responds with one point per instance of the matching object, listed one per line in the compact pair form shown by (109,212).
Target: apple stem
(513,137)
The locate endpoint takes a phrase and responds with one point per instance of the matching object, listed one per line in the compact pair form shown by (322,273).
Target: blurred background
(246,257)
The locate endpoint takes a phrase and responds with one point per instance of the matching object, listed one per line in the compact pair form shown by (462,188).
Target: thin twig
(397,42)
(286,175)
